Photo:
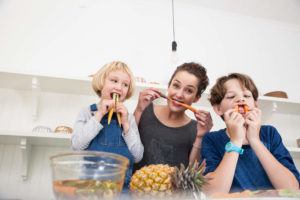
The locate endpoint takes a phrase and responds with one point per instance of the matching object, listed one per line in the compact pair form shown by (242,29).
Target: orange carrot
(245,108)
(66,190)
(186,106)
(182,104)
(236,108)
(91,75)
(118,114)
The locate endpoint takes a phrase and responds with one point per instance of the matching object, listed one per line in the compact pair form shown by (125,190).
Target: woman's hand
(253,123)
(122,110)
(146,97)
(204,122)
(235,124)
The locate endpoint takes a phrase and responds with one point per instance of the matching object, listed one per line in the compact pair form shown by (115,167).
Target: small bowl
(63,129)
(41,129)
(88,175)
(280,94)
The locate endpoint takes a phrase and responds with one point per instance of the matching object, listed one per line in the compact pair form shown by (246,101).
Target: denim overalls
(109,139)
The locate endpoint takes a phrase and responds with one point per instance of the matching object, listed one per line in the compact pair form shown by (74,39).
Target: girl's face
(236,94)
(183,88)
(115,82)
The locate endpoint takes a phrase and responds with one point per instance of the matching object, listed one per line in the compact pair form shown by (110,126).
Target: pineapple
(165,181)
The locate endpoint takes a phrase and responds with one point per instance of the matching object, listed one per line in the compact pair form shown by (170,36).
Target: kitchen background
(48,48)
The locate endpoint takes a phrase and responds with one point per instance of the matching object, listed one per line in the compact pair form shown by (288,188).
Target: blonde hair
(98,80)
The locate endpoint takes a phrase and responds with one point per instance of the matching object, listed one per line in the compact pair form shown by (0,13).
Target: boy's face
(235,94)
(115,82)
(183,88)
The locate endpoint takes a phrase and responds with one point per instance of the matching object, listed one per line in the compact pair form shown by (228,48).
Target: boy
(245,155)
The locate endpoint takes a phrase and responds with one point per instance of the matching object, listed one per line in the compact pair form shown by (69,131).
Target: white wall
(76,37)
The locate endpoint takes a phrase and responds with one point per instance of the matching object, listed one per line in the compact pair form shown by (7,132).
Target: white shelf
(26,139)
(82,86)
(70,85)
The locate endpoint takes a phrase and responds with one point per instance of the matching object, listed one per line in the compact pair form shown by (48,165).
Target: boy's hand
(122,110)
(146,97)
(253,123)
(104,107)
(204,122)
(235,126)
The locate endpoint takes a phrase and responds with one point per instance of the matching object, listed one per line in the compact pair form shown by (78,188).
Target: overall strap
(93,107)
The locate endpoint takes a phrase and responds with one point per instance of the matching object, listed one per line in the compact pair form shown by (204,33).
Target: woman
(169,136)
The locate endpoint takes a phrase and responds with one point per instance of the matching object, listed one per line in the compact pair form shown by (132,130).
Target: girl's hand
(235,126)
(104,107)
(253,123)
(204,122)
(122,110)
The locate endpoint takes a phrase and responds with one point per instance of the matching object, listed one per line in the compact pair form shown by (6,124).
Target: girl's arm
(133,140)
(86,127)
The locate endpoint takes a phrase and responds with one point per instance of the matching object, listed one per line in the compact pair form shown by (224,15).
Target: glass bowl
(88,175)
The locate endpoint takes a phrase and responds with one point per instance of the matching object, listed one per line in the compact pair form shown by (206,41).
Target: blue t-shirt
(249,173)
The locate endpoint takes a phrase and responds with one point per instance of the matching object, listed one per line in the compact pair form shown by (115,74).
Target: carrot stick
(111,112)
(91,75)
(245,108)
(66,190)
(182,104)
(118,114)
(186,106)
(236,108)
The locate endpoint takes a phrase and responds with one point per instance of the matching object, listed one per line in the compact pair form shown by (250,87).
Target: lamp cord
(173,20)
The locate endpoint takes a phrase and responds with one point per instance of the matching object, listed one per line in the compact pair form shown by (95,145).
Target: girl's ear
(217,109)
(197,98)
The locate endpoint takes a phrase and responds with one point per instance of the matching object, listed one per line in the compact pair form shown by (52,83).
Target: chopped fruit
(162,181)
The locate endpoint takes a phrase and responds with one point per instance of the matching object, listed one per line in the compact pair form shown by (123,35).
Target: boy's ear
(217,109)
(197,98)
(256,104)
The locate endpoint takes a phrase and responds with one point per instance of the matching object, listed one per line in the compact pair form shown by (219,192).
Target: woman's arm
(204,124)
(133,140)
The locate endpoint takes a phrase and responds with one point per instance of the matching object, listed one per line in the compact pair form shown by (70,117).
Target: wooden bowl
(280,94)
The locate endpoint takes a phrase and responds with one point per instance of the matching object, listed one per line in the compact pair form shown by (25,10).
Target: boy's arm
(279,175)
(223,175)
(133,140)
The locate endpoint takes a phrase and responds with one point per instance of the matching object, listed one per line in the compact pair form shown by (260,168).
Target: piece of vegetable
(245,108)
(118,114)
(236,108)
(111,112)
(182,104)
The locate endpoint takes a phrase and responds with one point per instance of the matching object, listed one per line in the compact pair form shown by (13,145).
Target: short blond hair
(98,80)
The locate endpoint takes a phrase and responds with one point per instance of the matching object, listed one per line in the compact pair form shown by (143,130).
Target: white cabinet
(45,100)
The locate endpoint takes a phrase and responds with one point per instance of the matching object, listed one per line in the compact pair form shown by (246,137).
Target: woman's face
(183,88)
